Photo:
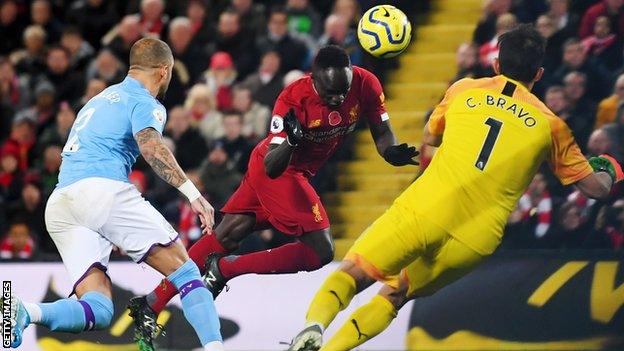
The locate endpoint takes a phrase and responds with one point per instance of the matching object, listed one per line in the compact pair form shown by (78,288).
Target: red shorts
(288,203)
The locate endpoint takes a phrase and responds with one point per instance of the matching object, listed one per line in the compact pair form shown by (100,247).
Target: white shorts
(85,219)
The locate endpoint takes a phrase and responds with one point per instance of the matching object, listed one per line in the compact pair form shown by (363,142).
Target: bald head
(150,53)
(332,75)
(151,62)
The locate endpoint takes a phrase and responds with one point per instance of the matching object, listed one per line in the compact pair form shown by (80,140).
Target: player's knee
(101,310)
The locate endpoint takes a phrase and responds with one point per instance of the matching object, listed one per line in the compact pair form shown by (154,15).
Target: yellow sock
(365,323)
(334,296)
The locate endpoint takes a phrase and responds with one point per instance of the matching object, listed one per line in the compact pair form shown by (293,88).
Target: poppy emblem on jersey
(314,123)
(316,211)
(159,115)
(334,118)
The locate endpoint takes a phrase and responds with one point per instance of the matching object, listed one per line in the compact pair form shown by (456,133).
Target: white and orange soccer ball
(384,31)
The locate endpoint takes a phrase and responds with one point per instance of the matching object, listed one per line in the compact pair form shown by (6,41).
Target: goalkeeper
(493,135)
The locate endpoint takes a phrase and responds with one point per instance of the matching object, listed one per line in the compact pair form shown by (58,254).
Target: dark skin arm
(277,159)
(382,135)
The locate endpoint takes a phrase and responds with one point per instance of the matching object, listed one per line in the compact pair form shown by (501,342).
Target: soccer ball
(384,31)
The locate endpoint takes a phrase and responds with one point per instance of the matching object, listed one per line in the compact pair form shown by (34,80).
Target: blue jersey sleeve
(148,114)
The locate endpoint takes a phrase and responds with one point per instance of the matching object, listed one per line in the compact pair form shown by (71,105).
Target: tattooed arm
(162,161)
(159,157)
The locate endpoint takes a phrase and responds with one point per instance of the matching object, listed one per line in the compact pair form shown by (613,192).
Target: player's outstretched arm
(385,141)
(162,161)
(607,171)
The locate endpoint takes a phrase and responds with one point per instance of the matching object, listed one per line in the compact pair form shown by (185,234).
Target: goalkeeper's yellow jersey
(495,135)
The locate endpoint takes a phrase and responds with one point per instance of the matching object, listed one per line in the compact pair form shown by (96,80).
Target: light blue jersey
(101,142)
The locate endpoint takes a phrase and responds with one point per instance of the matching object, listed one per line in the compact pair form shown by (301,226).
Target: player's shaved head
(151,61)
(521,53)
(150,53)
(332,75)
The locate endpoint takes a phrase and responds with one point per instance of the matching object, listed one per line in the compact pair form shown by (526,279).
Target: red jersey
(324,128)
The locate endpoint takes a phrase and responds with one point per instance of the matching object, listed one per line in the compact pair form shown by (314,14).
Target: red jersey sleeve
(374,106)
(283,104)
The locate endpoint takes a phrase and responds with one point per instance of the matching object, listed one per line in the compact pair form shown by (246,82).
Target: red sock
(203,247)
(289,258)
(165,291)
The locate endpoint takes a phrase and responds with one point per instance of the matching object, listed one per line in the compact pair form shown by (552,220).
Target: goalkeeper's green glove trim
(609,165)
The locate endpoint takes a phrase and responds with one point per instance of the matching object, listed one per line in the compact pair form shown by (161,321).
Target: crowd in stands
(583,84)
(232,59)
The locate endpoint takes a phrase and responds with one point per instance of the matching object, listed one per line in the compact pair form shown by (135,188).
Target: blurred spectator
(196,12)
(94,87)
(190,146)
(486,29)
(600,143)
(222,171)
(278,39)
(31,207)
(93,18)
(10,27)
(57,133)
(42,112)
(535,206)
(350,10)
(189,226)
(50,169)
(565,22)
(255,116)
(68,84)
(80,51)
(41,14)
(292,76)
(468,65)
(338,32)
(252,16)
(31,60)
(121,38)
(615,131)
(582,110)
(604,45)
(107,68)
(13,90)
(17,243)
(608,8)
(238,44)
(575,59)
(610,226)
(219,78)
(190,61)
(22,141)
(489,51)
(552,58)
(572,227)
(607,109)
(190,56)
(139,180)
(303,18)
(202,106)
(267,83)
(152,17)
(10,174)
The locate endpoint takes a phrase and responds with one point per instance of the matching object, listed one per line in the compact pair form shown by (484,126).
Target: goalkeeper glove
(401,155)
(607,164)
(292,127)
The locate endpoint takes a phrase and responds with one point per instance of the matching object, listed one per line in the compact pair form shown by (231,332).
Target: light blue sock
(93,311)
(197,302)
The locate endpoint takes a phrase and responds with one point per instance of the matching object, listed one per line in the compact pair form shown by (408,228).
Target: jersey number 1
(490,140)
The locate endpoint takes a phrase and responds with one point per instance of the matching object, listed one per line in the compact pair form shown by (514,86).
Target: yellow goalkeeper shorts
(400,245)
